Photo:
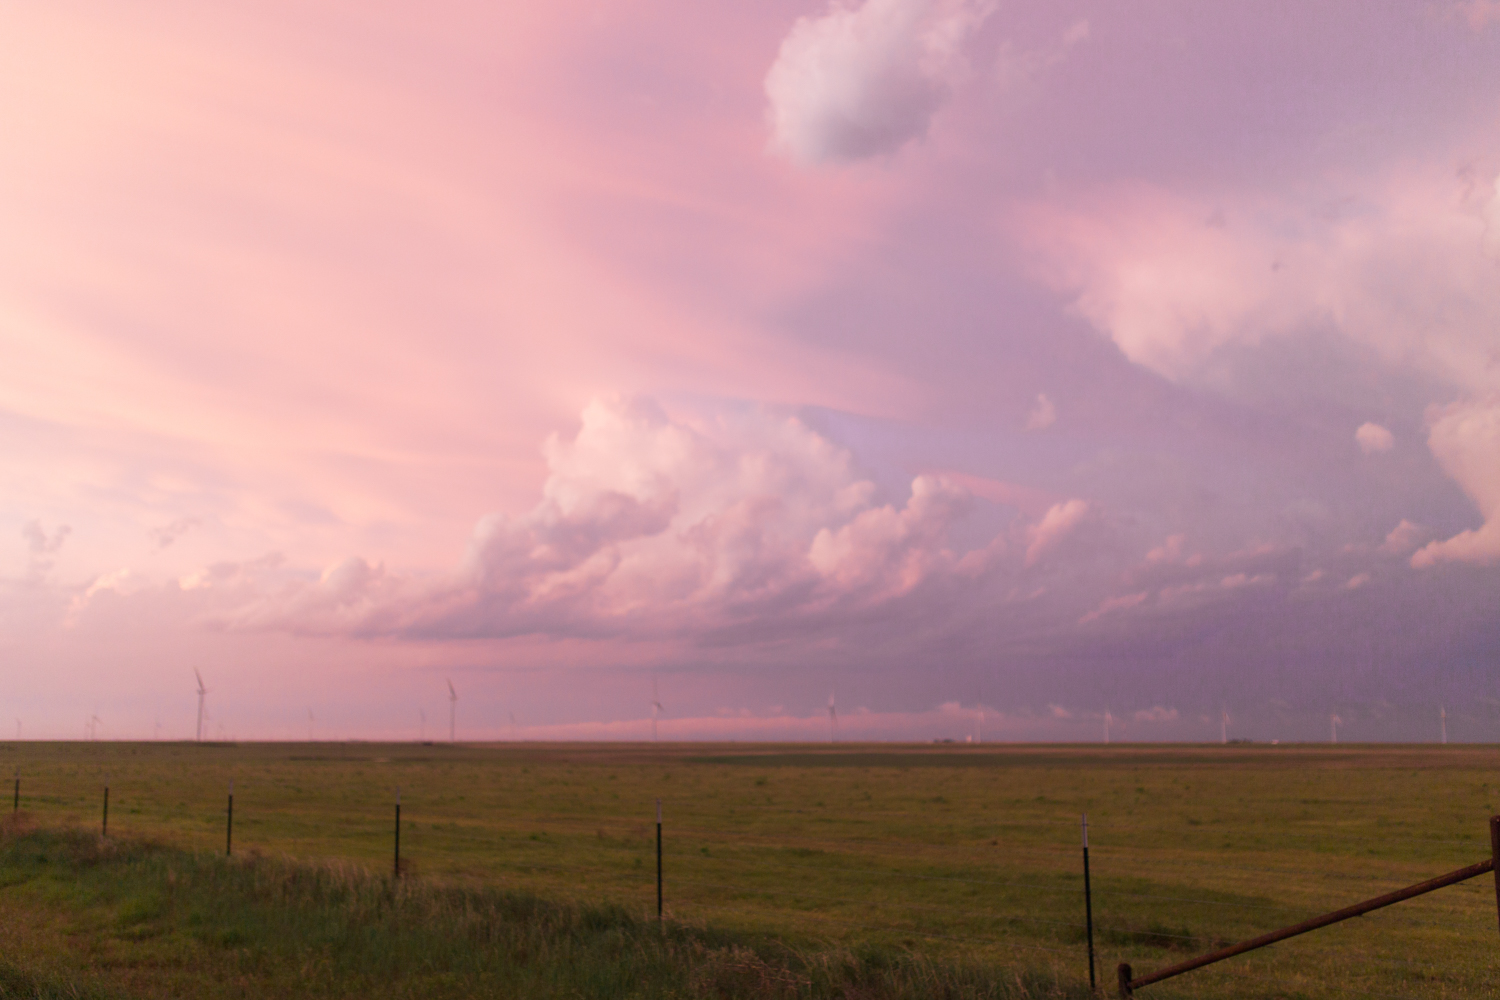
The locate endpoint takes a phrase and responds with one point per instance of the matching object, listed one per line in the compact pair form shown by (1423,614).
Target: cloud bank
(1405,269)
(863,80)
(1465,439)
(745,523)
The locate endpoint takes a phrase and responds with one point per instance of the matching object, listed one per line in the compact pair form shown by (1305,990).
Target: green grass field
(961,861)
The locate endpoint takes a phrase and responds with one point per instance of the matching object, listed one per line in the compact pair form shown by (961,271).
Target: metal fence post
(1088,901)
(229,823)
(1495,856)
(396,864)
(104,828)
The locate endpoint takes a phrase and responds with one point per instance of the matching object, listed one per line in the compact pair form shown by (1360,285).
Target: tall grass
(146,918)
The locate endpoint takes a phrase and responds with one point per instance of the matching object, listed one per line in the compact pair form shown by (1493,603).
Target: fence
(1129,983)
(1031,893)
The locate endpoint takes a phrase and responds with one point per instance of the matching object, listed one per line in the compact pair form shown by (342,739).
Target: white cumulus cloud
(651,524)
(1465,439)
(1060,521)
(862,80)
(1407,275)
(1373,438)
(1408,271)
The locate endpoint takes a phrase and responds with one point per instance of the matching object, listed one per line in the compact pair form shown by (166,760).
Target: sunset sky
(991,366)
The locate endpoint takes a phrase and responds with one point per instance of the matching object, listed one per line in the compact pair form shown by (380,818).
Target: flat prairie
(962,854)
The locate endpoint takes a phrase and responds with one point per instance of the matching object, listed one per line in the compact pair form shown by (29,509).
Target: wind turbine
(833,719)
(423,712)
(309,725)
(1333,727)
(1443,721)
(452,714)
(1107,720)
(202,692)
(656,708)
(94,720)
(1223,725)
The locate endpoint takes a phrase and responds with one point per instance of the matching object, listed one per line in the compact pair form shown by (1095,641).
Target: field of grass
(961,862)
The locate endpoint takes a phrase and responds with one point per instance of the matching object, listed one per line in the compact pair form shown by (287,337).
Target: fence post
(396,864)
(18,791)
(1495,856)
(1088,901)
(104,828)
(229,823)
(658,865)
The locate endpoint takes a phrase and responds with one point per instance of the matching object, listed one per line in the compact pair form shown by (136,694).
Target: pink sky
(1044,360)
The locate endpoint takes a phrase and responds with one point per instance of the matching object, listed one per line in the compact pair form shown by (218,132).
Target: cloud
(1015,68)
(1404,267)
(1156,713)
(39,543)
(42,547)
(864,80)
(1465,439)
(1171,551)
(1479,14)
(1404,538)
(1060,521)
(1169,581)
(165,536)
(1042,415)
(1398,265)
(1373,438)
(651,525)
(1114,604)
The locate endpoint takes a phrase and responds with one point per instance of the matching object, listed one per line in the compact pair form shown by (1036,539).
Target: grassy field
(963,858)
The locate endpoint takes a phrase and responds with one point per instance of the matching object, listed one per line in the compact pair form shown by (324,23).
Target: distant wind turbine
(94,720)
(202,692)
(833,719)
(452,714)
(309,725)
(1224,725)
(1333,728)
(656,708)
(423,712)
(1443,722)
(1107,720)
